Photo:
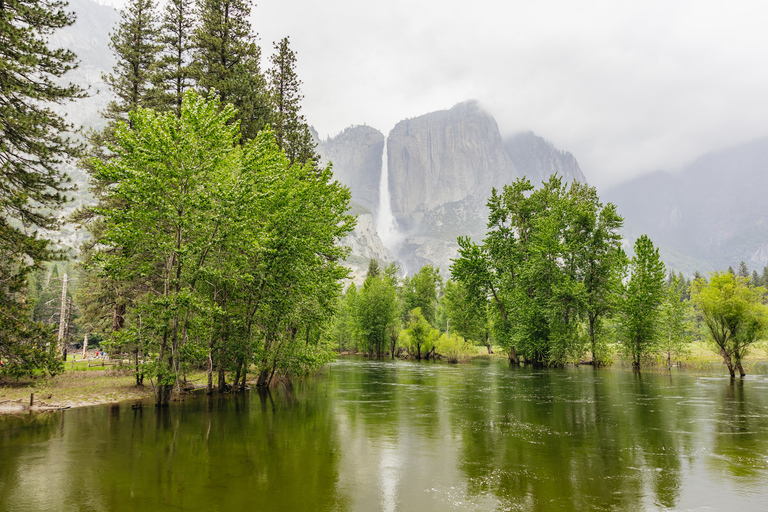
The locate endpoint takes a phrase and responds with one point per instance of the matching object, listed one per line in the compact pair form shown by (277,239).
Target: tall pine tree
(227,61)
(173,74)
(290,127)
(135,46)
(32,151)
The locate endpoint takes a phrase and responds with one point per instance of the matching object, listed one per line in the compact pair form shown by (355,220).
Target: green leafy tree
(454,348)
(165,173)
(421,291)
(290,126)
(466,317)
(597,256)
(550,259)
(227,61)
(675,326)
(33,149)
(733,314)
(377,311)
(238,251)
(642,301)
(420,334)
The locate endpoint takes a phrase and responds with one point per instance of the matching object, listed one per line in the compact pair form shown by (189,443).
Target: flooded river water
(382,435)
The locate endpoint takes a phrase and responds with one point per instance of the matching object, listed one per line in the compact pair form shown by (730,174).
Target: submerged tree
(237,250)
(550,258)
(642,301)
(733,315)
(33,148)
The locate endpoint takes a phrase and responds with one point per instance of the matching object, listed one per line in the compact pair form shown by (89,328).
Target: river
(382,435)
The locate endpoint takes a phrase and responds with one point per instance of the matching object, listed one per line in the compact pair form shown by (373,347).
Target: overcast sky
(626,86)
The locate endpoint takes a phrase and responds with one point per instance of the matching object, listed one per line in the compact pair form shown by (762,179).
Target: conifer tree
(227,61)
(743,270)
(32,151)
(135,45)
(290,127)
(173,74)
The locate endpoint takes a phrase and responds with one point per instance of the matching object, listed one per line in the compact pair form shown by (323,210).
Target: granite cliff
(356,157)
(442,168)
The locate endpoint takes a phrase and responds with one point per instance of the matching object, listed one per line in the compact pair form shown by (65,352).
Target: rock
(444,157)
(356,157)
(365,244)
(538,159)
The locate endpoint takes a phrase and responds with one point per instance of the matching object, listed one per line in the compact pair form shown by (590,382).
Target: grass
(76,388)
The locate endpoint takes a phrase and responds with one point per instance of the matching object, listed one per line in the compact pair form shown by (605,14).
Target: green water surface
(382,435)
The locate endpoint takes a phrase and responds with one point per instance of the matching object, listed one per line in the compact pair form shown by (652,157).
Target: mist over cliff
(442,167)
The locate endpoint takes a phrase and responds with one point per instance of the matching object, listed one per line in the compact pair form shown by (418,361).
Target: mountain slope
(710,215)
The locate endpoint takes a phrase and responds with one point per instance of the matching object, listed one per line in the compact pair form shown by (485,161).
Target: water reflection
(370,435)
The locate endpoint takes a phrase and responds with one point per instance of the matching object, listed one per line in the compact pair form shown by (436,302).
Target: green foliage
(290,127)
(733,314)
(466,317)
(135,44)
(227,62)
(377,314)
(172,74)
(235,251)
(675,333)
(420,335)
(643,297)
(32,151)
(454,348)
(550,260)
(421,291)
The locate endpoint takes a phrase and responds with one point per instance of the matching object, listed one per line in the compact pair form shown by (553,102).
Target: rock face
(356,157)
(365,244)
(442,168)
(538,159)
(708,216)
(444,157)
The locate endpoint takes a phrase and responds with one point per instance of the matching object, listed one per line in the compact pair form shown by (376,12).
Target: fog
(628,87)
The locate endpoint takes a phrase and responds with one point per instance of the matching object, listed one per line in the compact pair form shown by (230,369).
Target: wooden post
(31,399)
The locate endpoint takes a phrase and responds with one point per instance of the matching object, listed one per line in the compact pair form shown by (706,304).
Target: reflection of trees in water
(573,441)
(207,454)
(740,438)
(22,438)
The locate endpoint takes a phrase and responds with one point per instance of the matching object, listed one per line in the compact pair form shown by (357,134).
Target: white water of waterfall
(386,223)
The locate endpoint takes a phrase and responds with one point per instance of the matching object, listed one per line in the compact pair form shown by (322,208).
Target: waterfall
(386,223)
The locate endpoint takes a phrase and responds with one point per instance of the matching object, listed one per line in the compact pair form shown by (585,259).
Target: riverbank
(70,389)
(86,383)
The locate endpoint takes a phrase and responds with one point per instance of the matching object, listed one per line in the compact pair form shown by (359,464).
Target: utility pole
(63,311)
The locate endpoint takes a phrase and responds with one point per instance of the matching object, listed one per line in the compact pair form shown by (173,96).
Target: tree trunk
(728,362)
(222,377)
(742,373)
(163,395)
(513,359)
(263,380)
